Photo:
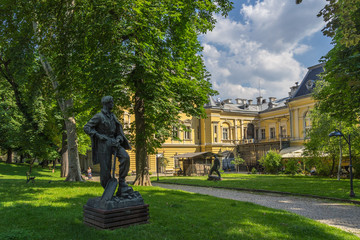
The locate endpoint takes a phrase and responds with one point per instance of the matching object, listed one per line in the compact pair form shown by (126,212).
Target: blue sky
(268,43)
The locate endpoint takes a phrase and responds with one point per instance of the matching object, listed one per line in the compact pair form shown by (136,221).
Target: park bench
(29,178)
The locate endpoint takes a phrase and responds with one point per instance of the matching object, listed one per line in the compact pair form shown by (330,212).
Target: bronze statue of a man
(215,167)
(107,138)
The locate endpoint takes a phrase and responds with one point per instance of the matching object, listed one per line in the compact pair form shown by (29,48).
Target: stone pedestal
(214,178)
(116,213)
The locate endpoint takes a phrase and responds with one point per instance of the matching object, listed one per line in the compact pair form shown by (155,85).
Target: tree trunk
(9,156)
(332,166)
(64,156)
(31,164)
(142,169)
(74,173)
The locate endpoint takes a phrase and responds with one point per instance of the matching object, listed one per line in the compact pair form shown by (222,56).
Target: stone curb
(269,191)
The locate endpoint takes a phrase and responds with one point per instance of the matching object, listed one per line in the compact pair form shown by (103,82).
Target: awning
(292,152)
(193,155)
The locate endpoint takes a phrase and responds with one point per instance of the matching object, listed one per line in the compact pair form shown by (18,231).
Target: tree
(24,95)
(60,37)
(144,53)
(321,150)
(340,91)
(237,162)
(168,75)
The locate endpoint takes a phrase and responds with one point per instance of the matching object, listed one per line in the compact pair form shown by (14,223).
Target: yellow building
(243,127)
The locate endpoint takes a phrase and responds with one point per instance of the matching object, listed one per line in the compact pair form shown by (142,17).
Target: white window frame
(225,133)
(272,132)
(187,133)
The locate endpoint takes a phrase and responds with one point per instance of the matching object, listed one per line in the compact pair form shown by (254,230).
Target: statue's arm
(89,127)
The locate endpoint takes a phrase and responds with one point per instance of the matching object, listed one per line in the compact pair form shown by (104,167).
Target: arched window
(250,131)
(225,132)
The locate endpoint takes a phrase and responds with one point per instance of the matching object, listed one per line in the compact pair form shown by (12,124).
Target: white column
(296,127)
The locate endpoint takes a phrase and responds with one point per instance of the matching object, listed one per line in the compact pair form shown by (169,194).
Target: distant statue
(215,168)
(107,138)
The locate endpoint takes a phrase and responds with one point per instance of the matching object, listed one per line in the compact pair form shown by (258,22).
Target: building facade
(244,127)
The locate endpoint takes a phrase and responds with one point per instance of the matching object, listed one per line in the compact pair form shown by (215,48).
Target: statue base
(214,178)
(116,213)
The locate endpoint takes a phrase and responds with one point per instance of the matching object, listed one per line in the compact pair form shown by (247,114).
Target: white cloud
(261,48)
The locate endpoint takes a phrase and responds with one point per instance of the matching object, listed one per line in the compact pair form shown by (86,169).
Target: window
(282,131)
(187,133)
(215,133)
(175,133)
(263,135)
(307,123)
(225,133)
(272,133)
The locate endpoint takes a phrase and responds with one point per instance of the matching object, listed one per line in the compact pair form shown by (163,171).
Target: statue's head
(107,102)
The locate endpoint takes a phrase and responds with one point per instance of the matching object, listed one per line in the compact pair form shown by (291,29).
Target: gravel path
(345,217)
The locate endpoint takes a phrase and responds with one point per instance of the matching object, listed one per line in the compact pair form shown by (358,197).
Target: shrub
(356,167)
(253,171)
(292,166)
(271,162)
(323,166)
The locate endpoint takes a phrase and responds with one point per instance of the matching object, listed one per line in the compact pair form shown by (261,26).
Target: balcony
(282,138)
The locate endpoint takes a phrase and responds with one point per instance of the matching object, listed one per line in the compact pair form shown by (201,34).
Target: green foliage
(146,54)
(271,162)
(340,89)
(356,167)
(292,166)
(237,162)
(342,16)
(323,152)
(253,171)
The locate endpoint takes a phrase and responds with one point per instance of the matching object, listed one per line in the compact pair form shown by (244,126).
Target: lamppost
(338,133)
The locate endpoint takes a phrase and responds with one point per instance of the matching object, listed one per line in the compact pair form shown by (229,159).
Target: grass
(320,186)
(52,209)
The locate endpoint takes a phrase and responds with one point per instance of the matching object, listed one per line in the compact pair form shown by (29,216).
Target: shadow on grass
(173,215)
(54,210)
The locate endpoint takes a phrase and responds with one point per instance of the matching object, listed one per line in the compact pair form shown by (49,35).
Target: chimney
(293,89)
(259,100)
(240,101)
(250,101)
(228,101)
(272,99)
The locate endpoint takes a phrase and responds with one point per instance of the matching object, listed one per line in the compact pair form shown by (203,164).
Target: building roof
(308,83)
(262,105)
(292,152)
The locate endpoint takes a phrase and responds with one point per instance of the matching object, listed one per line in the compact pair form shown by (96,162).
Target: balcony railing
(253,140)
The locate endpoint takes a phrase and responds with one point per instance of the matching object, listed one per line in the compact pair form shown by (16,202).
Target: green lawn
(327,187)
(52,209)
